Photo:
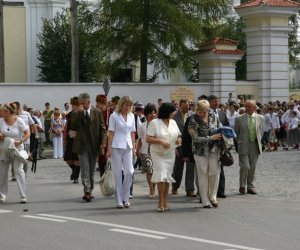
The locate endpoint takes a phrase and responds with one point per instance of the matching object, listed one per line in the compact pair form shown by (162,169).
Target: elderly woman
(121,148)
(206,153)
(12,126)
(143,148)
(164,136)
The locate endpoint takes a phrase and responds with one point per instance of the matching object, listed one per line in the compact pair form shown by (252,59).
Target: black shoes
(223,196)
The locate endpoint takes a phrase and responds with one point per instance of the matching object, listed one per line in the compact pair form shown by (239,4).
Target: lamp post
(106,85)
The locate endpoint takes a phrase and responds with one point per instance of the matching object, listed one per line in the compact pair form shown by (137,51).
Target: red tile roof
(220,40)
(271,3)
(221,52)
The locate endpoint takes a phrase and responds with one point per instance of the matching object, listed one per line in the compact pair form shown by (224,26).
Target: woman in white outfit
(143,147)
(13,127)
(57,135)
(206,153)
(164,136)
(121,148)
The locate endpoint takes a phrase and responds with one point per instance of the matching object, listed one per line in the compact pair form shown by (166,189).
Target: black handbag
(226,158)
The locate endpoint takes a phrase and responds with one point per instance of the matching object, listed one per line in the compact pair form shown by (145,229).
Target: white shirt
(26,117)
(286,116)
(231,118)
(14,131)
(122,130)
(275,121)
(267,122)
(293,123)
(142,132)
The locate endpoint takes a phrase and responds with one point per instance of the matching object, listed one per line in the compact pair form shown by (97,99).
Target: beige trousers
(208,173)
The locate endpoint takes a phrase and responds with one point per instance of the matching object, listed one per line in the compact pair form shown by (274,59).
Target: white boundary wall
(36,94)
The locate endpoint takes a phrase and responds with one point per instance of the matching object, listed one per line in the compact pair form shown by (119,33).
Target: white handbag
(107,181)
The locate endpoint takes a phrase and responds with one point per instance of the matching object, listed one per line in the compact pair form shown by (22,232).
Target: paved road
(57,218)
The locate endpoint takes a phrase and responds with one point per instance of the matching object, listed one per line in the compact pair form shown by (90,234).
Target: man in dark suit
(180,118)
(214,103)
(90,131)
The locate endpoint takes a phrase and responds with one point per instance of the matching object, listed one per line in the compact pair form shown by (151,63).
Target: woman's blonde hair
(10,107)
(124,100)
(202,106)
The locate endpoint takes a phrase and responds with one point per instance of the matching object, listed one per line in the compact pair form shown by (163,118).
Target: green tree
(157,33)
(54,47)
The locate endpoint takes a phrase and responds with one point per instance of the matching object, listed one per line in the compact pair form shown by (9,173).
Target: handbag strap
(149,145)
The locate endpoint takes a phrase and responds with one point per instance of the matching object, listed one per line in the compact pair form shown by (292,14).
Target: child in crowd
(293,134)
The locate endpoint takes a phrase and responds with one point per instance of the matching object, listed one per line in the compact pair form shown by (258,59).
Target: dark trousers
(221,189)
(178,172)
(47,125)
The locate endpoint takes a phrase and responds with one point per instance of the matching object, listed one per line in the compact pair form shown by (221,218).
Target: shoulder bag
(107,182)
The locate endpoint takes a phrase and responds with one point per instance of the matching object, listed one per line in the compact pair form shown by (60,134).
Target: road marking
(43,218)
(137,233)
(212,242)
(2,211)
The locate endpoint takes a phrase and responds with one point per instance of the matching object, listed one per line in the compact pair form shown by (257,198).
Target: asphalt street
(56,217)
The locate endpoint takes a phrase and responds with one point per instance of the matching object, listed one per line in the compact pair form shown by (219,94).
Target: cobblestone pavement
(277,175)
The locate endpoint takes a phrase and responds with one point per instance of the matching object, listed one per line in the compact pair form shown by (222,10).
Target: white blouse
(142,132)
(159,130)
(14,131)
(122,130)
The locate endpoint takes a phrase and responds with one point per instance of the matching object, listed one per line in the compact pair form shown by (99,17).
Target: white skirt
(162,166)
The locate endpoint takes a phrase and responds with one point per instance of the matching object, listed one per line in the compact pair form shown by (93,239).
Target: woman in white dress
(164,136)
(13,127)
(57,128)
(121,148)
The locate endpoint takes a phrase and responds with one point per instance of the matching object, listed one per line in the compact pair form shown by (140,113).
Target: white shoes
(2,199)
(23,200)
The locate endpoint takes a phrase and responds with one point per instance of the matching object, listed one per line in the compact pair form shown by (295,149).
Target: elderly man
(249,129)
(90,132)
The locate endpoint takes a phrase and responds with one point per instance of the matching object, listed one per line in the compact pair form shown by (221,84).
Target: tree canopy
(157,33)
(55,48)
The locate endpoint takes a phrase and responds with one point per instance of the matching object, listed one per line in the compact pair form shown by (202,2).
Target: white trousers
(58,151)
(208,171)
(121,159)
(19,174)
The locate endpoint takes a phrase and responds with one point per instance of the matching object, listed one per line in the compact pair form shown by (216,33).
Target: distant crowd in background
(160,139)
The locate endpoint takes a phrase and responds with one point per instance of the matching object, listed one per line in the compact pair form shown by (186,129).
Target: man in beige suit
(90,130)
(249,130)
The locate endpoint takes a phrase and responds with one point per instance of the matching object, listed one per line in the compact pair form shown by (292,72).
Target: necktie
(252,129)
(87,117)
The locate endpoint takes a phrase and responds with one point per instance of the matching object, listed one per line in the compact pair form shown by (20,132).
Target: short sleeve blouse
(15,130)
(158,129)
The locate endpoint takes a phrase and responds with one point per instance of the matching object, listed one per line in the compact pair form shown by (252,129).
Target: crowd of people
(160,139)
